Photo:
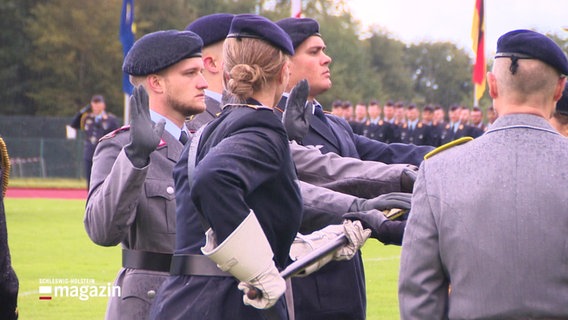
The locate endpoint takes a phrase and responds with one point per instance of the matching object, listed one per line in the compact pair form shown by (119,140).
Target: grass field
(48,243)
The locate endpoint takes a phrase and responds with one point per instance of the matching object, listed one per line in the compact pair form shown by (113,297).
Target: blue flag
(126,36)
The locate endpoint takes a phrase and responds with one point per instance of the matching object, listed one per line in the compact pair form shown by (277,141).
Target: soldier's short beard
(183,108)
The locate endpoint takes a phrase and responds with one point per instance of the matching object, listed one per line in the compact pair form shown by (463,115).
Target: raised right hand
(144,135)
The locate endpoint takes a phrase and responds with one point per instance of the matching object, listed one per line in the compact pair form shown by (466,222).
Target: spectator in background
(95,122)
(491,116)
(464,115)
(337,108)
(399,113)
(388,111)
(465,119)
(439,115)
(428,115)
(376,127)
(454,129)
(413,130)
(438,125)
(360,118)
(360,112)
(347,111)
(476,118)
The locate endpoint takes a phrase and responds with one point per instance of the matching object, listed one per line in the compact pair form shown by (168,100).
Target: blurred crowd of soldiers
(408,123)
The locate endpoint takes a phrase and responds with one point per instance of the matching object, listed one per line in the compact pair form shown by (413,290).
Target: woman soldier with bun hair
(238,204)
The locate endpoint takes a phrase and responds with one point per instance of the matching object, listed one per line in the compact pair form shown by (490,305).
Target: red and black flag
(478,38)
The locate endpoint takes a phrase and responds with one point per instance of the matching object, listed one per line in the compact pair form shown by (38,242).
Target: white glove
(271,286)
(247,255)
(304,244)
(357,237)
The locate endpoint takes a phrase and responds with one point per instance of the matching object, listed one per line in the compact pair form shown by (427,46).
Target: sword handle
(301,264)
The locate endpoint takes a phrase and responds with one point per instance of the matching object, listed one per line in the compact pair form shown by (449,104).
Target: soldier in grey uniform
(497,251)
(132,198)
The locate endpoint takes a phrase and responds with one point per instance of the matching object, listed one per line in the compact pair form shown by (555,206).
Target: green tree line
(56,54)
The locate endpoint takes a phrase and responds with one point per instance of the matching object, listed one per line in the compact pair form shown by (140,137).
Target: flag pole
(478,38)
(126,36)
(475,101)
(296,8)
(126,108)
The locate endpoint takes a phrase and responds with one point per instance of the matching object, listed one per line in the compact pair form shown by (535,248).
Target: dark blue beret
(299,29)
(212,28)
(158,50)
(562,104)
(259,27)
(527,44)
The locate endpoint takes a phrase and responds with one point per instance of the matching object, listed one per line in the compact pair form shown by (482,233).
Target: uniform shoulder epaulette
(447,146)
(115,132)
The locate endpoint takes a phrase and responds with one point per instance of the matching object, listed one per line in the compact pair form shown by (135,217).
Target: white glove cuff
(246,252)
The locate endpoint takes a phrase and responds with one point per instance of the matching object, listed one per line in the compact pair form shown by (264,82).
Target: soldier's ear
(492,84)
(211,65)
(155,83)
(559,88)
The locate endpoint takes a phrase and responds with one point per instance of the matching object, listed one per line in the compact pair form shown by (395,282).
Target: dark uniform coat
(421,135)
(243,163)
(136,208)
(502,244)
(449,133)
(436,131)
(337,291)
(380,131)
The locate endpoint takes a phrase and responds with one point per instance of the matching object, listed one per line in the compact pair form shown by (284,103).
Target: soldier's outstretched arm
(365,179)
(323,207)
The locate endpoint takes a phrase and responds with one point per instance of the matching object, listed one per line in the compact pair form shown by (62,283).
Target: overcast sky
(413,21)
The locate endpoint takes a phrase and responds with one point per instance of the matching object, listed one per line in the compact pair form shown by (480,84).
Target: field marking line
(382,258)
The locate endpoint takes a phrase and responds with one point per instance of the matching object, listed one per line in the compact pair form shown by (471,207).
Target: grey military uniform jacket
(364,179)
(330,183)
(490,219)
(136,208)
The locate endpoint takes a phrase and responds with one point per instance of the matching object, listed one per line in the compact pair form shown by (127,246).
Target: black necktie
(318,112)
(183,137)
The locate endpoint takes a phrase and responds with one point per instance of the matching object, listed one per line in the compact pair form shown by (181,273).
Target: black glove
(382,229)
(86,108)
(383,202)
(298,110)
(144,135)
(407,179)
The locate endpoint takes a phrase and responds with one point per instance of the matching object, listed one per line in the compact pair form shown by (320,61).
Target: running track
(46,193)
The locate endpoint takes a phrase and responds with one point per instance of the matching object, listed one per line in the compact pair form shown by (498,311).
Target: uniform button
(151,294)
(170,190)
